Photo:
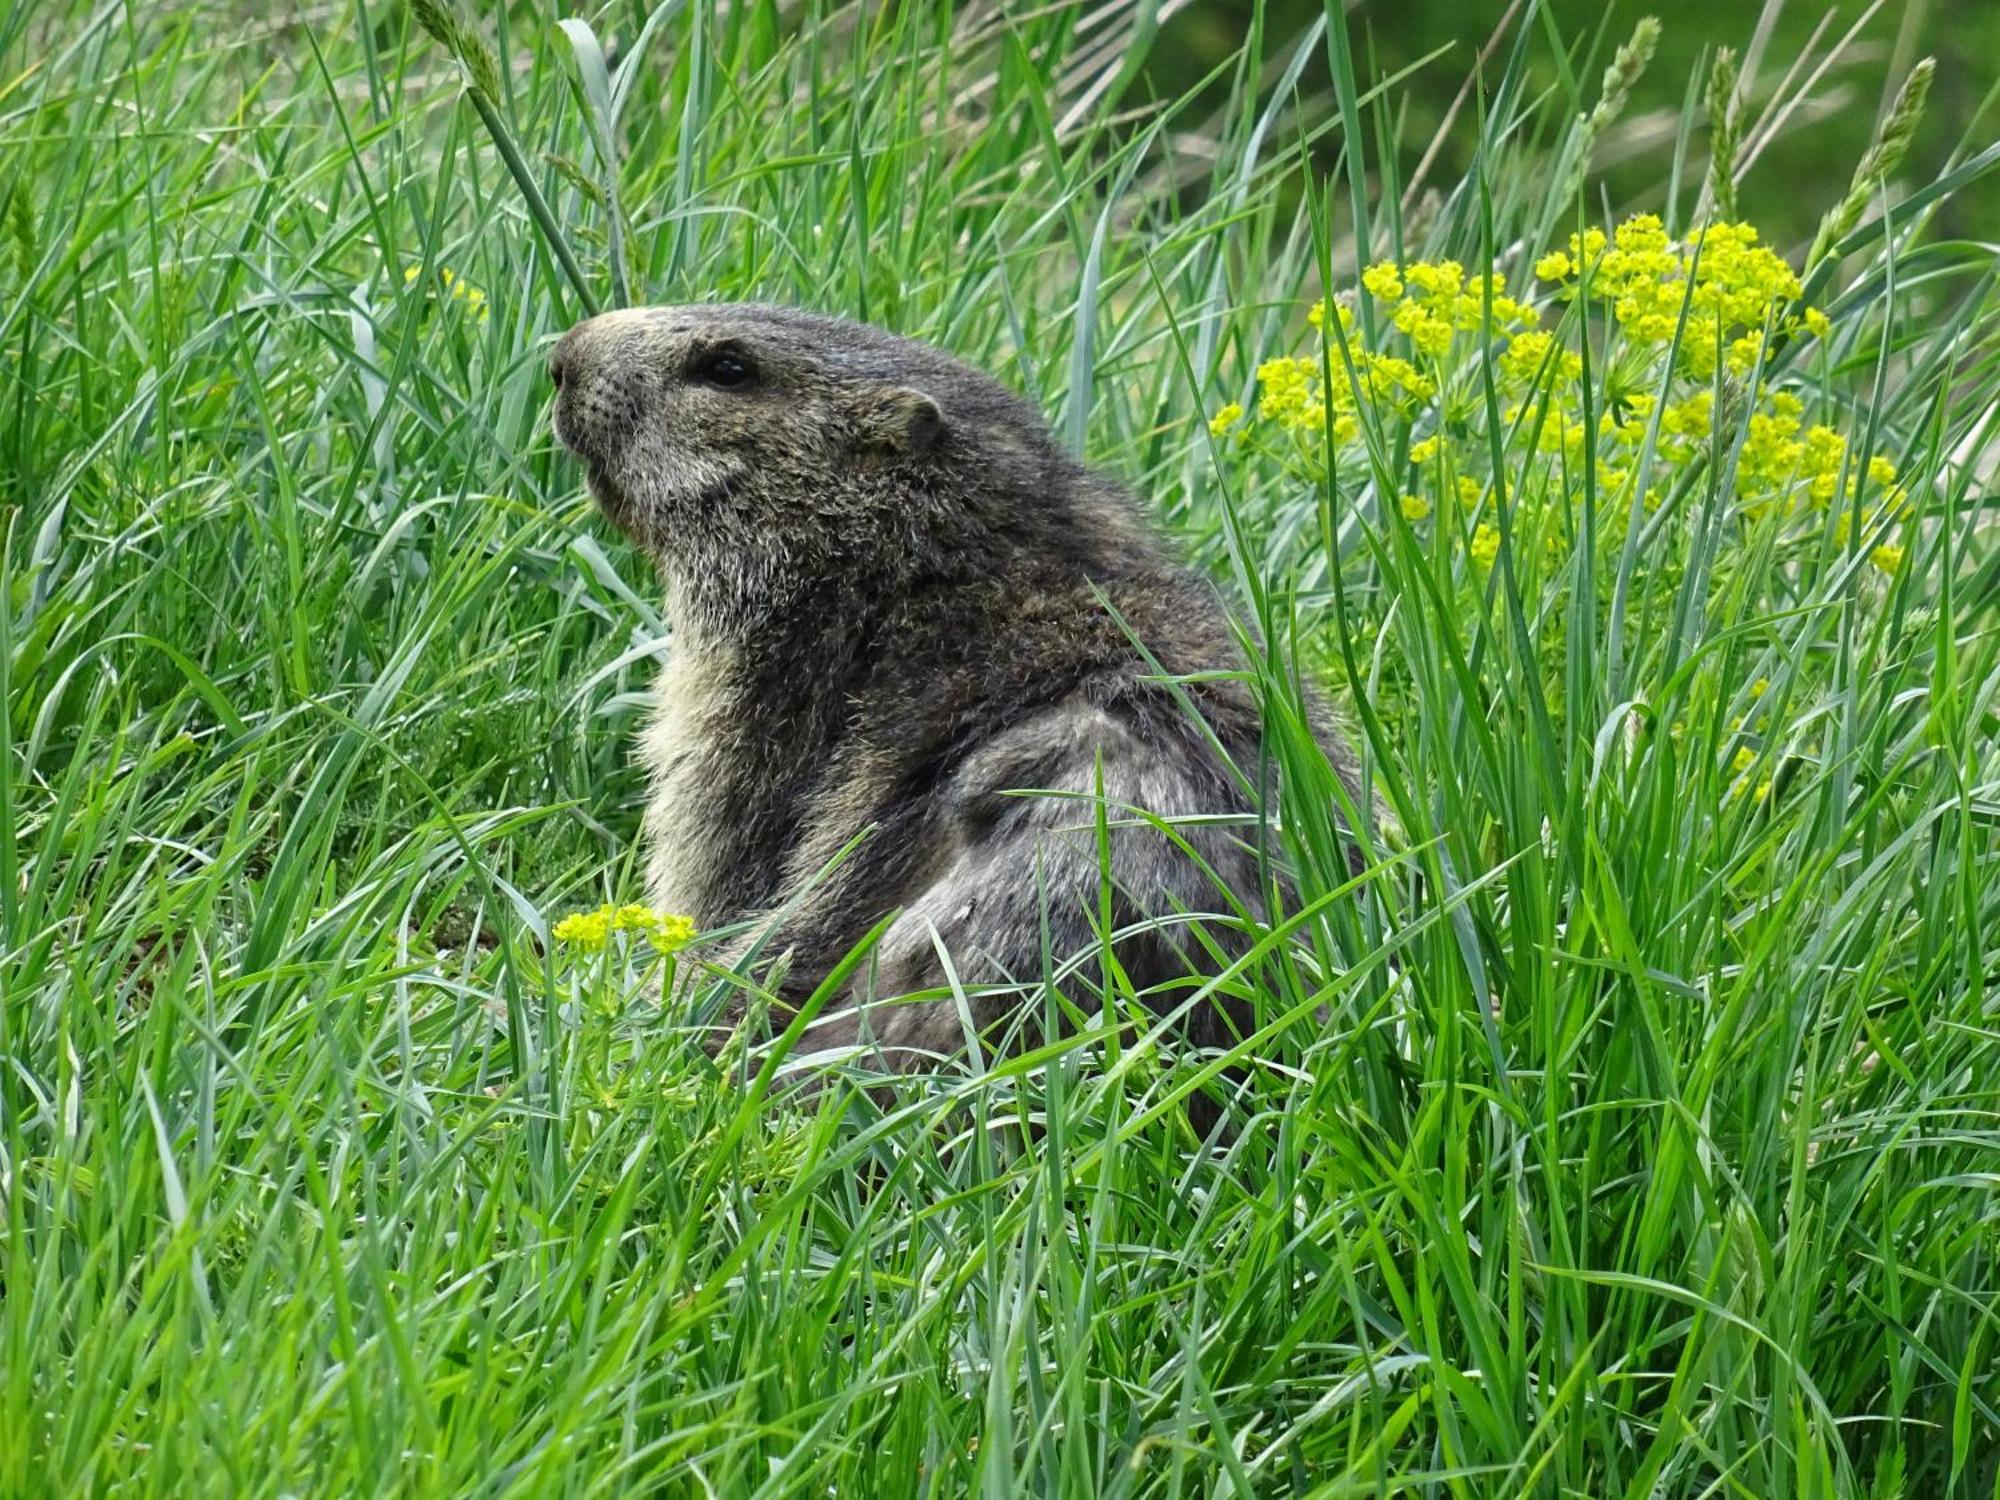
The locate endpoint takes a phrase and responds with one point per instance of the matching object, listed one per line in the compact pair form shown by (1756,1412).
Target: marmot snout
(888,584)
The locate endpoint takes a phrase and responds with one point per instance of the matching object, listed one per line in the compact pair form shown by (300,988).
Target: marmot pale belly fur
(887,584)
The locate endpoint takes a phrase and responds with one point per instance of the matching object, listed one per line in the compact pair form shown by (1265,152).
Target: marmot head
(781,441)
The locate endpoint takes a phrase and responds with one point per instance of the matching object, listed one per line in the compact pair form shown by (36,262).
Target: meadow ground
(1631,1127)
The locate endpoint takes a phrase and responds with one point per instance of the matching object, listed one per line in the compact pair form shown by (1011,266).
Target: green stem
(538,206)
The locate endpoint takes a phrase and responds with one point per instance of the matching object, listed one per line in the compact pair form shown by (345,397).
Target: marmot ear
(899,420)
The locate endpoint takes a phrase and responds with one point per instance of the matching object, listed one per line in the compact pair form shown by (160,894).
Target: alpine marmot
(897,605)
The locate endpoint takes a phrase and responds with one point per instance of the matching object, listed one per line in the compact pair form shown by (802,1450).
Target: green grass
(1617,1134)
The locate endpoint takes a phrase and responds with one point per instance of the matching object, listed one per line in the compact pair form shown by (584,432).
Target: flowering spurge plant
(616,953)
(1610,365)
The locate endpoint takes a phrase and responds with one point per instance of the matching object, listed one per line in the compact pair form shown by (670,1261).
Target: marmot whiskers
(886,583)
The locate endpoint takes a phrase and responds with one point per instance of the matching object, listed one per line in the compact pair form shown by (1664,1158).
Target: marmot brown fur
(884,581)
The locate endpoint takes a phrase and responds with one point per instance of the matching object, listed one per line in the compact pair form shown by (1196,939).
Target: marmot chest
(732,754)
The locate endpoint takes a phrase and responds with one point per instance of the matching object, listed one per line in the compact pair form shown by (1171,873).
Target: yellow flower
(1430,333)
(1760,687)
(1817,323)
(1528,353)
(1382,281)
(1225,419)
(1745,352)
(670,934)
(1642,233)
(1343,314)
(1440,280)
(1881,471)
(1289,393)
(1485,545)
(1505,311)
(1554,266)
(587,930)
(591,930)
(1586,249)
(1423,452)
(1415,508)
(1688,418)
(1469,491)
(1653,328)
(1745,759)
(1888,557)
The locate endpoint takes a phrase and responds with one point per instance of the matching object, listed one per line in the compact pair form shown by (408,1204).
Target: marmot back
(887,585)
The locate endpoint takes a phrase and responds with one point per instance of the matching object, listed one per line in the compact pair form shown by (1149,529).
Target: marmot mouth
(610,499)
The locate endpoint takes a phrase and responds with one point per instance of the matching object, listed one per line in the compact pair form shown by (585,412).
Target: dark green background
(1792,182)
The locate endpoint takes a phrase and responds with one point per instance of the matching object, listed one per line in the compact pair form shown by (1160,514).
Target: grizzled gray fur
(880,569)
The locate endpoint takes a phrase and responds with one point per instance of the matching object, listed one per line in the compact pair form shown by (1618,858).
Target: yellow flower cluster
(1433,301)
(591,930)
(457,286)
(1730,286)
(1707,303)
(1782,464)
(1528,356)
(1294,393)
(1291,393)
(1680,312)
(1777,455)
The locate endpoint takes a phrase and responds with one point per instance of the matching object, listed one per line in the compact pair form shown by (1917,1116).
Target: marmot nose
(568,361)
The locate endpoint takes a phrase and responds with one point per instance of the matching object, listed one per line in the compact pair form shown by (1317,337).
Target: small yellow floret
(1642,234)
(1343,314)
(1415,508)
(1225,419)
(1383,281)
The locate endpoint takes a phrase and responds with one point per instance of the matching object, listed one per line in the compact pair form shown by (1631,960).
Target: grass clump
(1626,1128)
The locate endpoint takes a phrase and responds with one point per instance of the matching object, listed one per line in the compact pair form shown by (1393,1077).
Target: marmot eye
(724,368)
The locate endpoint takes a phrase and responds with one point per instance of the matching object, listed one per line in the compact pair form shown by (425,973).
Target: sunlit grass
(1628,1127)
